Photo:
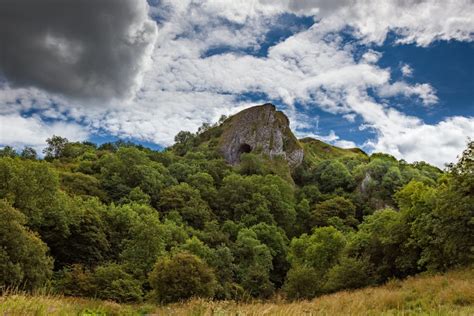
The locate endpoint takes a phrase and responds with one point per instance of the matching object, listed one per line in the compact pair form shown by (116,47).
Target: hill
(276,216)
(442,294)
(263,130)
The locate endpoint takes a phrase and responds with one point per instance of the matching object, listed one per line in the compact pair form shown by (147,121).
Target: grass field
(448,294)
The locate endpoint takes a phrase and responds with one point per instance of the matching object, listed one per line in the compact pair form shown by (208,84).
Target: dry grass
(448,294)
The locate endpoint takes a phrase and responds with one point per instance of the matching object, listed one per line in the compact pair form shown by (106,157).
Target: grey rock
(260,129)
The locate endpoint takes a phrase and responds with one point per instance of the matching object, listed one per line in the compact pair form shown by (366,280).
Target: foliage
(312,255)
(123,222)
(181,277)
(24,262)
(56,147)
(329,211)
(440,294)
(108,282)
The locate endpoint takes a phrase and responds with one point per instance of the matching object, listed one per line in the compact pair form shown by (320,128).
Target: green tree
(254,263)
(184,141)
(8,151)
(87,241)
(276,241)
(55,148)
(255,199)
(78,183)
(383,240)
(331,175)
(337,207)
(205,184)
(23,256)
(143,240)
(130,168)
(440,218)
(187,202)
(312,255)
(180,277)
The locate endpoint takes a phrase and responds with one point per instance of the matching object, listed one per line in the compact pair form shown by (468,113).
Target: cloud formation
(209,55)
(414,21)
(18,131)
(81,49)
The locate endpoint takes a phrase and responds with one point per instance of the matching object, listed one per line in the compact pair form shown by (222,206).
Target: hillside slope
(264,130)
(316,150)
(448,294)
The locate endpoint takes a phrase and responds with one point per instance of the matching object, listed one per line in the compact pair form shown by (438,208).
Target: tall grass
(448,294)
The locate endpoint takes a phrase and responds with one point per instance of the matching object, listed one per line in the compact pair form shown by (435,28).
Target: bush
(109,282)
(350,273)
(75,280)
(181,277)
(302,282)
(113,283)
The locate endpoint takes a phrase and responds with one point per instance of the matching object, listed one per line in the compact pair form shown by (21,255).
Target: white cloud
(414,21)
(184,88)
(371,56)
(350,117)
(345,143)
(18,131)
(406,70)
(438,144)
(424,91)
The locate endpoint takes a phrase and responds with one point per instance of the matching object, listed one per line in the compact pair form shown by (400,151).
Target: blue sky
(391,76)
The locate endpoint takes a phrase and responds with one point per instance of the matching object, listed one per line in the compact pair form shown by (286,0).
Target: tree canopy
(123,222)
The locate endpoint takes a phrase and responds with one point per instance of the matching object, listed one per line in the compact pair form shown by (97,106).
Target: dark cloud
(78,48)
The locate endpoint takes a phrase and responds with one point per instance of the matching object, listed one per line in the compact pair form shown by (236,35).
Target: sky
(385,76)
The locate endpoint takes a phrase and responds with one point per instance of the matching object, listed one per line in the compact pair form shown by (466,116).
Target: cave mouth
(244,148)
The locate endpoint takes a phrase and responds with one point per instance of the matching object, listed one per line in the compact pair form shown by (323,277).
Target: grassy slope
(448,294)
(316,150)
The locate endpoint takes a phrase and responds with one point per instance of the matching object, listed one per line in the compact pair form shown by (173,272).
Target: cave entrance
(244,148)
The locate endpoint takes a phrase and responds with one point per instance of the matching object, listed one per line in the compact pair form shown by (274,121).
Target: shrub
(302,282)
(113,283)
(350,273)
(181,277)
(109,282)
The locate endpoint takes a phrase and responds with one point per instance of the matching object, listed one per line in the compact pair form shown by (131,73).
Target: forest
(122,222)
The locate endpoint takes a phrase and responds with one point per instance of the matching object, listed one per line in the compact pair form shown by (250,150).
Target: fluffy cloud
(406,70)
(439,143)
(424,91)
(83,49)
(414,21)
(186,84)
(18,131)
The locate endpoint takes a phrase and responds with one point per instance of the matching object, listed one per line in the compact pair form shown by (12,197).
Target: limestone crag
(260,129)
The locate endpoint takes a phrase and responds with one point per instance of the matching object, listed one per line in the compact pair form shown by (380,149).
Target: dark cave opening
(244,148)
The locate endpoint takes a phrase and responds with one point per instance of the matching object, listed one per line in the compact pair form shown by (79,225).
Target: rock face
(260,129)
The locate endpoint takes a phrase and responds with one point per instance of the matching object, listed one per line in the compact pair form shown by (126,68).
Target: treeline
(123,222)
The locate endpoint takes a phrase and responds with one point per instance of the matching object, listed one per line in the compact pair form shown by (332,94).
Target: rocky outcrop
(260,129)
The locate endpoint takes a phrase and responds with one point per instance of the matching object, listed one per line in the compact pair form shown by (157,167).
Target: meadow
(451,293)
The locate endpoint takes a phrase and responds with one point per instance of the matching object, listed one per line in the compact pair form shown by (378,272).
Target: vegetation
(125,223)
(440,294)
